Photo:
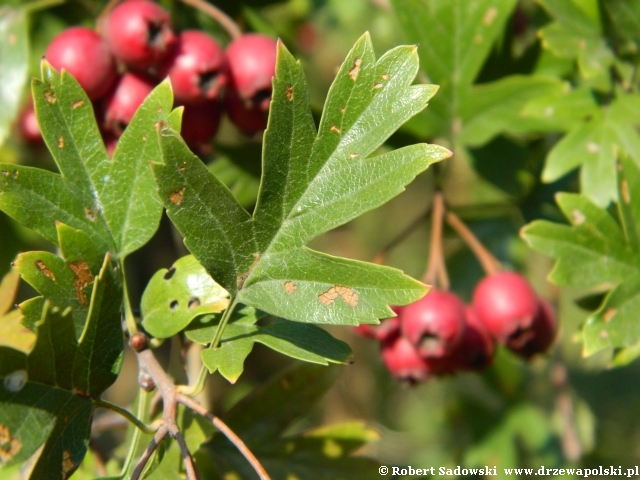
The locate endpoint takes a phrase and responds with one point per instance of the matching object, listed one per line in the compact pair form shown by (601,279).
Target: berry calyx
(139,34)
(506,305)
(197,69)
(81,52)
(435,323)
(123,102)
(539,336)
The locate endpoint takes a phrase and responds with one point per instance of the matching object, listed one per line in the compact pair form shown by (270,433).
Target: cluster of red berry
(439,335)
(138,48)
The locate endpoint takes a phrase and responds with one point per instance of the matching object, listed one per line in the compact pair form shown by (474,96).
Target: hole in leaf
(194,302)
(173,305)
(169,273)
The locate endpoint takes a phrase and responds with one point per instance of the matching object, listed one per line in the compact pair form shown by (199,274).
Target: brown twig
(490,264)
(105,13)
(436,269)
(218,15)
(159,436)
(571,446)
(227,432)
(186,455)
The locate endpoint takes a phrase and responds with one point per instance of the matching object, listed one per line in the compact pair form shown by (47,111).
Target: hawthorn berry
(139,34)
(252,63)
(197,68)
(539,336)
(476,348)
(81,52)
(435,323)
(386,329)
(29,127)
(122,103)
(506,305)
(401,358)
(200,124)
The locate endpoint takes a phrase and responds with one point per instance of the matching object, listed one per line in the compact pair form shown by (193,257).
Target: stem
(160,434)
(143,427)
(105,13)
(490,264)
(129,318)
(137,434)
(436,257)
(223,323)
(227,432)
(225,21)
(189,464)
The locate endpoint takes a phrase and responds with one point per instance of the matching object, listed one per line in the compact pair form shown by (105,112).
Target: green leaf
(261,420)
(118,192)
(39,403)
(597,250)
(308,343)
(12,332)
(175,296)
(455,37)
(14,63)
(311,184)
(594,145)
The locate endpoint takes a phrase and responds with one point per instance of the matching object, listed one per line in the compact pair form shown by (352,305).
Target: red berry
(81,52)
(123,102)
(386,329)
(200,124)
(539,336)
(139,33)
(29,126)
(248,116)
(505,304)
(198,68)
(252,64)
(476,348)
(403,361)
(435,323)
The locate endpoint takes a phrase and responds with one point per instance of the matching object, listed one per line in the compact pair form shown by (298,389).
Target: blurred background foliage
(518,80)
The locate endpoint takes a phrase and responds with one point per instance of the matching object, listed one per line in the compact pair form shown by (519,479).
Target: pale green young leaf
(173,297)
(14,63)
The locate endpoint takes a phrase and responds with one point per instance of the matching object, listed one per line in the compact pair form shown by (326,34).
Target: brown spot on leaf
(40,265)
(624,192)
(609,314)
(49,96)
(90,214)
(347,294)
(83,278)
(60,141)
(342,110)
(290,287)
(5,173)
(582,44)
(289,92)
(378,85)
(385,76)
(194,302)
(593,147)
(144,139)
(578,217)
(67,464)
(478,38)
(604,334)
(490,16)
(15,174)
(182,167)
(77,104)
(355,70)
(9,447)
(159,125)
(335,129)
(354,155)
(176,196)
(159,110)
